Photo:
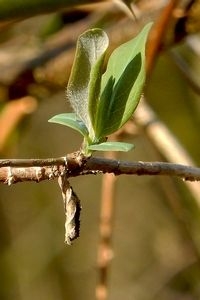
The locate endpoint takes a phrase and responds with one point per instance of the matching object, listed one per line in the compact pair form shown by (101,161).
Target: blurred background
(140,236)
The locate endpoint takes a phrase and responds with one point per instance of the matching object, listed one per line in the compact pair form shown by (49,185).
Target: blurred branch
(186,70)
(166,143)
(161,136)
(11,115)
(17,170)
(158,33)
(17,64)
(105,251)
(12,9)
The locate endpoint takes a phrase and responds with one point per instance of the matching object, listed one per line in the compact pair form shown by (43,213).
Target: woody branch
(19,170)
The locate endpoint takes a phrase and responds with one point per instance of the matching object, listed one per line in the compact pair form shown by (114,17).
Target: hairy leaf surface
(85,79)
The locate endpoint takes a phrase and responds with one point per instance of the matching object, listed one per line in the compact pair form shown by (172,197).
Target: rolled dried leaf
(72,210)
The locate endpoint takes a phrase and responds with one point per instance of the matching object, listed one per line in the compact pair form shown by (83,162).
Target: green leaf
(122,85)
(71,121)
(111,146)
(85,79)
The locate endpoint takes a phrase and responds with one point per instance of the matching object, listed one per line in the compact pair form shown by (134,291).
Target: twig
(13,171)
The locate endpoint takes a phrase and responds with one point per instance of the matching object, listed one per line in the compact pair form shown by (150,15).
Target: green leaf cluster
(104,102)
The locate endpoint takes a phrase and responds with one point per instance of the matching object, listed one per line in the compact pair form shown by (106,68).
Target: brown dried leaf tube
(72,210)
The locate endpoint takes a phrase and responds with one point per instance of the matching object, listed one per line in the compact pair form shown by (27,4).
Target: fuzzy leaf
(71,121)
(111,146)
(123,82)
(85,79)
